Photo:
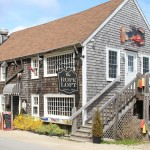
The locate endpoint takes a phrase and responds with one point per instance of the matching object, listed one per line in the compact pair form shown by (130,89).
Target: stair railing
(77,113)
(111,108)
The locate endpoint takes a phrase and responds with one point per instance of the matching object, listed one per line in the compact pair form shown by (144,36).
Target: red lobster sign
(136,35)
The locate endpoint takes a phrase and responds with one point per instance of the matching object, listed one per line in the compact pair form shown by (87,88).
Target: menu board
(7,121)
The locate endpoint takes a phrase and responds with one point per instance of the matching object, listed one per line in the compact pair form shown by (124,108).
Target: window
(113,63)
(58,105)
(35,105)
(130,63)
(52,64)
(35,67)
(3,73)
(2,103)
(145,65)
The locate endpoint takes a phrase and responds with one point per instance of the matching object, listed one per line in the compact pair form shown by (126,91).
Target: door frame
(126,63)
(12,104)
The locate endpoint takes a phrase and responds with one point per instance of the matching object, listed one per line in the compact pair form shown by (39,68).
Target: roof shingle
(60,33)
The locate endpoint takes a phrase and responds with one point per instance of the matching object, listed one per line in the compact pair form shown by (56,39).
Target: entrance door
(15,106)
(130,66)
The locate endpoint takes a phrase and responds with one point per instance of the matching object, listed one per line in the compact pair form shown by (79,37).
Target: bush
(50,129)
(97,130)
(26,122)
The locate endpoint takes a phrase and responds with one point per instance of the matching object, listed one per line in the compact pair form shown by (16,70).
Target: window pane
(35,110)
(145,65)
(60,106)
(56,63)
(112,64)
(130,63)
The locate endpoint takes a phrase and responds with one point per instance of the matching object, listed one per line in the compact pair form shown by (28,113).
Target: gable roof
(60,33)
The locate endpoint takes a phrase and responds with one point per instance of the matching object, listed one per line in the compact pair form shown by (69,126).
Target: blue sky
(18,14)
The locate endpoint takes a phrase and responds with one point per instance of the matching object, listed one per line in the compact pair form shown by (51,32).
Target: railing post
(117,115)
(74,121)
(146,102)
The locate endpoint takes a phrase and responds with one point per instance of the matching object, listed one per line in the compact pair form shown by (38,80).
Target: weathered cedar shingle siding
(110,36)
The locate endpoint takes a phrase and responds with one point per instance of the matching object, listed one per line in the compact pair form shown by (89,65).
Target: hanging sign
(134,34)
(68,82)
(7,121)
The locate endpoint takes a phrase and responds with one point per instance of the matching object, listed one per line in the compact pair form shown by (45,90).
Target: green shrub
(97,130)
(50,129)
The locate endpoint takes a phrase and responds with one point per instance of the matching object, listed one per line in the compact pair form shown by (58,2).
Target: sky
(19,14)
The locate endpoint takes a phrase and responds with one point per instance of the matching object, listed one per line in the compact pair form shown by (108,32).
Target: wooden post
(74,121)
(138,75)
(146,102)
(117,115)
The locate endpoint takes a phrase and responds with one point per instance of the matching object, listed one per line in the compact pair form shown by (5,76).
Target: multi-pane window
(113,63)
(145,65)
(2,103)
(35,105)
(61,106)
(55,63)
(35,68)
(130,63)
(3,73)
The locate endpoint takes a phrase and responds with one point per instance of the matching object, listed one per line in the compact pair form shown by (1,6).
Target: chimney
(3,35)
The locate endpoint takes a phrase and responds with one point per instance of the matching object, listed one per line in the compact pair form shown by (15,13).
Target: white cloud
(18,28)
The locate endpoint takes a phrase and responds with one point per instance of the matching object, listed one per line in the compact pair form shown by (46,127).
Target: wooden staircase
(111,110)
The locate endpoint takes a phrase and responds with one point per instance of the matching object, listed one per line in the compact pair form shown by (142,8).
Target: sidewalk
(59,143)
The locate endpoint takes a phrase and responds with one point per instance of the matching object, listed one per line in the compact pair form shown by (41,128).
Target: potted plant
(97,131)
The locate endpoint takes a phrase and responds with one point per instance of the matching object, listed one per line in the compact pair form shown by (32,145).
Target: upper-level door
(130,66)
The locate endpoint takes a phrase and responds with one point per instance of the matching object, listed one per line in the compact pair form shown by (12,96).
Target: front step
(79,137)
(82,135)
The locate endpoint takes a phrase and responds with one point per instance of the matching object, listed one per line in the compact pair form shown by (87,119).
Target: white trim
(105,22)
(141,12)
(126,63)
(53,55)
(32,73)
(147,56)
(84,83)
(32,101)
(1,95)
(59,96)
(1,75)
(107,62)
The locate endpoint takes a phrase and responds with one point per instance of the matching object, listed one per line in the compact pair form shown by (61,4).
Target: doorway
(130,66)
(15,106)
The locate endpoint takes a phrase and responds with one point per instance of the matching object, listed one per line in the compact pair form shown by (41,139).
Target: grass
(124,142)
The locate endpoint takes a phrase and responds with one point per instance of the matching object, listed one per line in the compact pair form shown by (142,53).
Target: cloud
(18,28)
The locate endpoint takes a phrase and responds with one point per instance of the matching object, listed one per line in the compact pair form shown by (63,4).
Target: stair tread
(80,135)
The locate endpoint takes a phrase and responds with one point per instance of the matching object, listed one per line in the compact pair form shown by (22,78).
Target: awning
(12,89)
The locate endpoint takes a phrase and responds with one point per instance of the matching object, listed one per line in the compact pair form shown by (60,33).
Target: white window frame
(33,105)
(2,73)
(146,56)
(2,97)
(53,55)
(107,62)
(56,96)
(33,76)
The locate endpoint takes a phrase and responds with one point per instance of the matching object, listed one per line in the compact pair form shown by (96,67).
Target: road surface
(22,140)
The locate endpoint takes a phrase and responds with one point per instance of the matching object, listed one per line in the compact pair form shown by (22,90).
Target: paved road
(7,143)
(22,140)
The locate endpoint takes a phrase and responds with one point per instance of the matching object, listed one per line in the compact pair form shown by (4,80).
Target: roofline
(141,12)
(105,22)
(41,53)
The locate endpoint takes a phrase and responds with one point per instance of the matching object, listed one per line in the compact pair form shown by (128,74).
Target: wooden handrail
(113,98)
(94,99)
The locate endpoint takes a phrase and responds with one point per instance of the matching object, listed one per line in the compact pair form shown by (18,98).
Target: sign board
(68,82)
(7,121)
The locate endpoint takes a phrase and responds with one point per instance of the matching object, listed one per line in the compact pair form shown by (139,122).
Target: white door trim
(126,63)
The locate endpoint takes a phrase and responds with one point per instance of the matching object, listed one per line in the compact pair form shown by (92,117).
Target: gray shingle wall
(110,36)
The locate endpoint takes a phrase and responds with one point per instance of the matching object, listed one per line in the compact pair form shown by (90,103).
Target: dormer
(3,35)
